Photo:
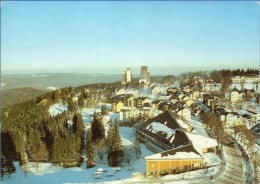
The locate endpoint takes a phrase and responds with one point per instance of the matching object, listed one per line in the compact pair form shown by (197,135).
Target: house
(145,112)
(189,102)
(231,119)
(236,96)
(117,105)
(252,79)
(157,90)
(126,114)
(246,79)
(156,104)
(196,109)
(247,114)
(238,79)
(195,94)
(141,101)
(183,112)
(165,105)
(212,87)
(164,97)
(172,90)
(208,99)
(121,92)
(228,117)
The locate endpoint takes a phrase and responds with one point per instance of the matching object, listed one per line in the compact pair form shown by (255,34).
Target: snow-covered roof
(158,127)
(200,142)
(182,124)
(185,152)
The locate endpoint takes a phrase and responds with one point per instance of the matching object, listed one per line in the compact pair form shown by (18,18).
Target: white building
(144,75)
(126,76)
(236,96)
(245,79)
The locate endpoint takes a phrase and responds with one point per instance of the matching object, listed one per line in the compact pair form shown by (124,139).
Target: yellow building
(117,106)
(173,161)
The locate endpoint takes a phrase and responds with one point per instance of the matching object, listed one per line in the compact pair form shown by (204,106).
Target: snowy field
(86,113)
(57,108)
(48,173)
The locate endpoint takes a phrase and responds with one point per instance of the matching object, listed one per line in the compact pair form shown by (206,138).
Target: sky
(85,35)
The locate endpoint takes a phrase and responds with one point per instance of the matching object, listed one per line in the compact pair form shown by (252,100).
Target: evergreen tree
(81,101)
(97,128)
(66,151)
(89,150)
(3,166)
(115,147)
(9,167)
(78,129)
(71,105)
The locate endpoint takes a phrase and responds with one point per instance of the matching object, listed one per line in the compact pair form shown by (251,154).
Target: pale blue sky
(45,35)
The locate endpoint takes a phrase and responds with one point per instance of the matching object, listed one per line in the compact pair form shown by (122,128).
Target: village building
(141,101)
(236,96)
(173,161)
(180,150)
(238,79)
(117,106)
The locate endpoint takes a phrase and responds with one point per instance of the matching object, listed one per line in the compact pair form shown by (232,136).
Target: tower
(144,75)
(126,76)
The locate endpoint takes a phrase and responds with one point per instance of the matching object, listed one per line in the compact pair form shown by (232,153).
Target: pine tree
(97,128)
(9,167)
(71,105)
(89,150)
(115,147)
(78,129)
(81,101)
(3,166)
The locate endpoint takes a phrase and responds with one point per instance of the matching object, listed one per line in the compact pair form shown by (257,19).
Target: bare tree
(255,161)
(137,148)
(101,147)
(40,155)
(128,154)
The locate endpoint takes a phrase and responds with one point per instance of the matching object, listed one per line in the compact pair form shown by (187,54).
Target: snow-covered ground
(86,113)
(48,173)
(52,88)
(57,108)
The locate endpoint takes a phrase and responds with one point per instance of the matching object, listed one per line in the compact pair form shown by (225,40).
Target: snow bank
(211,159)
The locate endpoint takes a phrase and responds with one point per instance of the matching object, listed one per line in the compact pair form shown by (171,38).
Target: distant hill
(57,80)
(18,95)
